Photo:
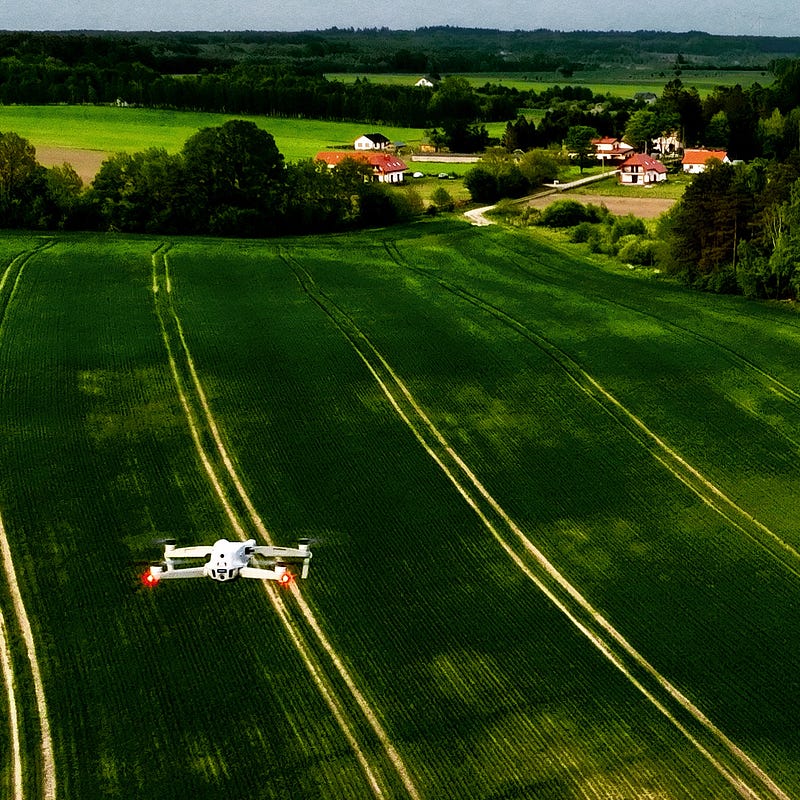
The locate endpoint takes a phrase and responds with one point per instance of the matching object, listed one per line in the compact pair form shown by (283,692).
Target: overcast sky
(762,17)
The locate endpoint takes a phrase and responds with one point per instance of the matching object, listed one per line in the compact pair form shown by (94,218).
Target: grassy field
(622,82)
(134,129)
(554,510)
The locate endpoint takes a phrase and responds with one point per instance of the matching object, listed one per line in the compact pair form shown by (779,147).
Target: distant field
(553,506)
(624,83)
(110,129)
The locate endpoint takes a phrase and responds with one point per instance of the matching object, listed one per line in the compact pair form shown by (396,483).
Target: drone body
(225,561)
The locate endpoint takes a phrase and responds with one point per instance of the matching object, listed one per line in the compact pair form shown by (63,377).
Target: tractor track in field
(12,275)
(730,761)
(9,282)
(357,720)
(767,379)
(707,491)
(7,667)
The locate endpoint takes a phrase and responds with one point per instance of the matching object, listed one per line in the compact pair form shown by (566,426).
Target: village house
(611,151)
(667,143)
(386,168)
(695,160)
(371,141)
(642,169)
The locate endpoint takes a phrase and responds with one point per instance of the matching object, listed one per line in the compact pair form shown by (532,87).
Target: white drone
(226,561)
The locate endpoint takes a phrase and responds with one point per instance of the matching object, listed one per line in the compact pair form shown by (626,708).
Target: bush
(564,214)
(582,232)
(627,226)
(482,185)
(637,250)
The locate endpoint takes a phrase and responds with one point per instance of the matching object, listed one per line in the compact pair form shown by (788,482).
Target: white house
(696,160)
(609,150)
(667,143)
(642,169)
(386,168)
(425,81)
(371,141)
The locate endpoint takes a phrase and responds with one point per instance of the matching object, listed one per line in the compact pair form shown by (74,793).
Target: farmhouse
(696,160)
(642,169)
(609,150)
(371,141)
(386,168)
(426,82)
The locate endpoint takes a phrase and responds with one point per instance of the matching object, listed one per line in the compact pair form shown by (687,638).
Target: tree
(455,108)
(709,223)
(718,131)
(19,171)
(643,126)
(235,174)
(538,167)
(687,107)
(143,192)
(579,141)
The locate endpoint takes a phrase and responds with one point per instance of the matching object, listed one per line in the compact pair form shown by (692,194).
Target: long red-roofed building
(386,167)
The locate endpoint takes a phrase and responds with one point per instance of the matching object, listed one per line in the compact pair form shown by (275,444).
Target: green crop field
(112,129)
(622,82)
(556,536)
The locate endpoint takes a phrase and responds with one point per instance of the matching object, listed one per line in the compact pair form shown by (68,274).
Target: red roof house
(386,167)
(611,151)
(696,160)
(642,169)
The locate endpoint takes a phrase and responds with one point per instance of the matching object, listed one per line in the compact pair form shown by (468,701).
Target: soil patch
(644,207)
(85,162)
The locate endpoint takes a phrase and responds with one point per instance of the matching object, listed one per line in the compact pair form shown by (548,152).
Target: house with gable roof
(386,168)
(609,150)
(371,141)
(695,160)
(642,169)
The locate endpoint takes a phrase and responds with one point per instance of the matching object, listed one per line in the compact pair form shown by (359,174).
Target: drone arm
(269,551)
(162,574)
(263,574)
(200,551)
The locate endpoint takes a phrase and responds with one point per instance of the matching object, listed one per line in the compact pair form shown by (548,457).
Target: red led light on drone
(148,579)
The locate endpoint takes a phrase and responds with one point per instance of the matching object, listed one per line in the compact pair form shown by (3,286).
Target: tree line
(229,180)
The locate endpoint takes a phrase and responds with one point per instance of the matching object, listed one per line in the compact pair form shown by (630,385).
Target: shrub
(637,250)
(564,214)
(582,232)
(626,226)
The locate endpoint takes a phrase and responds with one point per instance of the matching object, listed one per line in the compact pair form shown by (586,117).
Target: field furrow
(253,525)
(552,506)
(671,460)
(743,774)
(45,766)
